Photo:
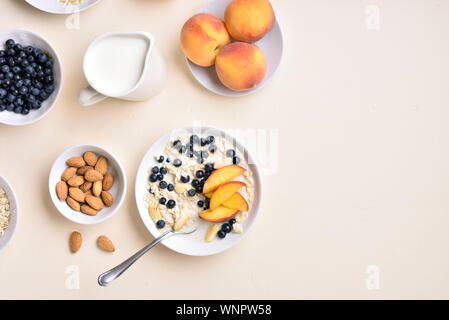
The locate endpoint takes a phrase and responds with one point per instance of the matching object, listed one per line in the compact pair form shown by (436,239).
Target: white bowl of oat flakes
(202,177)
(8,212)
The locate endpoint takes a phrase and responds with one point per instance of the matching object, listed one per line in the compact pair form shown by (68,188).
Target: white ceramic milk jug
(123,65)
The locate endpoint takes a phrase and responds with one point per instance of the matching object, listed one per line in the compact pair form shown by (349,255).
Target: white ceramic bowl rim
(84,219)
(7,236)
(257,180)
(59,76)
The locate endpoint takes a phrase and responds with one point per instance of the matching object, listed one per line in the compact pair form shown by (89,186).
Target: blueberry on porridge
(206,179)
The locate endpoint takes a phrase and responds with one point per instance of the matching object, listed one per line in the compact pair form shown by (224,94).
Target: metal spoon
(106,278)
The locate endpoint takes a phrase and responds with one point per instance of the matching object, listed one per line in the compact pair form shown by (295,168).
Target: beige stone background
(363,176)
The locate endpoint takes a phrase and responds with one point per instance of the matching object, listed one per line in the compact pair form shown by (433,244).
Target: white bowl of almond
(87,184)
(202,177)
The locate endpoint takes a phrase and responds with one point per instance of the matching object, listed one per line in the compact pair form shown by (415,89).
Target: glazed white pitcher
(152,72)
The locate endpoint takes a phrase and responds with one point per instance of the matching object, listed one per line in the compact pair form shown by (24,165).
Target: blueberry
(194,139)
(16,69)
(209,167)
(204,142)
(160,177)
(36,104)
(19,101)
(200,160)
(2,106)
(185,179)
(43,95)
(191,192)
(204,154)
(18,47)
(2,61)
(25,111)
(199,174)
(42,58)
(2,53)
(155,170)
(48,71)
(210,139)
(24,63)
(151,191)
(177,162)
(40,74)
(10,43)
(11,52)
(49,64)
(35,91)
(163,170)
(235,160)
(199,188)
(195,183)
(27,82)
(221,234)
(163,184)
(182,149)
(5,68)
(29,69)
(29,49)
(49,79)
(10,107)
(226,227)
(18,109)
(170,187)
(11,97)
(171,204)
(177,144)
(3,93)
(160,159)
(37,51)
(200,203)
(153,177)
(11,62)
(31,98)
(232,221)
(49,89)
(162,200)
(9,75)
(167,160)
(19,84)
(230,153)
(160,224)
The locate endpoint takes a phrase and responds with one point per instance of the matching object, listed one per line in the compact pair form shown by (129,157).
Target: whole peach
(249,20)
(241,66)
(202,36)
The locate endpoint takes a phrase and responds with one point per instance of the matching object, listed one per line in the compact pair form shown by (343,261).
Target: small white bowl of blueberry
(30,77)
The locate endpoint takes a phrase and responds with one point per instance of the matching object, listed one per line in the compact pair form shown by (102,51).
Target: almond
(90,158)
(108,181)
(97,188)
(76,194)
(68,173)
(75,181)
(86,186)
(93,175)
(88,210)
(76,162)
(88,193)
(107,198)
(180,222)
(75,241)
(154,212)
(102,165)
(95,202)
(73,204)
(81,171)
(61,190)
(211,233)
(105,243)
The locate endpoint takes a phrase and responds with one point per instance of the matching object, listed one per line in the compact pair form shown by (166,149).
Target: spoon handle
(106,278)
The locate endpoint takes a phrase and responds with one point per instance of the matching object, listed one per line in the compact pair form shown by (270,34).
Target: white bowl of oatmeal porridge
(172,177)
(8,212)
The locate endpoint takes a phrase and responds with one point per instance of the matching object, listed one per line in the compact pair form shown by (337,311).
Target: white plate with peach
(233,47)
(228,200)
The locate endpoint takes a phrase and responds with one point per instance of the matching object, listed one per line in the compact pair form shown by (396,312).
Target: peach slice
(209,194)
(219,214)
(224,192)
(222,175)
(236,201)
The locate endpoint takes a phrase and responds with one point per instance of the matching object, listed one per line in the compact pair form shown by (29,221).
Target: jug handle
(89,96)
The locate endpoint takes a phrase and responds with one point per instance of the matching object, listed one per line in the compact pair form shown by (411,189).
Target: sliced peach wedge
(219,214)
(236,201)
(224,192)
(222,175)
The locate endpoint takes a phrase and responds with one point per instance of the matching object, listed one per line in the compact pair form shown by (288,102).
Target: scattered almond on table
(85,183)
(105,243)
(75,241)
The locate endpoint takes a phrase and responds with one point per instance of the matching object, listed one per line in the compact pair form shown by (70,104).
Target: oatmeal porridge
(4,211)
(200,178)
